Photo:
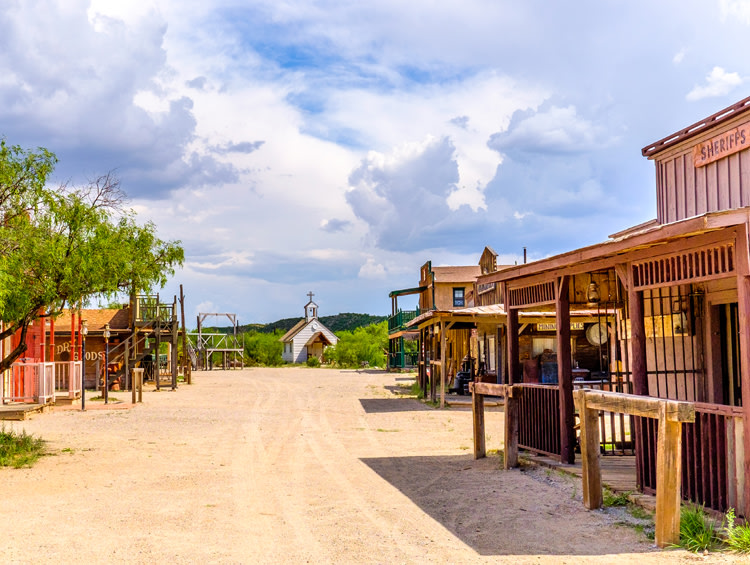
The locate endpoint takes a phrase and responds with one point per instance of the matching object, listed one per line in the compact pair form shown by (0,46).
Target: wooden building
(308,338)
(670,306)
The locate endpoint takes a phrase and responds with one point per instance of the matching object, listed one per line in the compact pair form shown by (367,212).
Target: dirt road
(293,466)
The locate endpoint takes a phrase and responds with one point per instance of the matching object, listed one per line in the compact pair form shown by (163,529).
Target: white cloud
(718,83)
(372,270)
(678,57)
(739,9)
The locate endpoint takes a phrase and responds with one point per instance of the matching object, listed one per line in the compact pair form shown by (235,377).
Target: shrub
(313,362)
(362,345)
(263,349)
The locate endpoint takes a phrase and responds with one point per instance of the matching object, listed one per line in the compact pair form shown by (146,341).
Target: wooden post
(443,355)
(512,399)
(514,368)
(187,365)
(565,372)
(637,341)
(477,411)
(590,465)
(743,314)
(668,479)
(173,344)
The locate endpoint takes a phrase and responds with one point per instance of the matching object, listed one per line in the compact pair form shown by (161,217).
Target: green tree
(262,349)
(366,344)
(61,247)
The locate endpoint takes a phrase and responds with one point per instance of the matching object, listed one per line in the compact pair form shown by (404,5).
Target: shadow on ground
(502,512)
(379,405)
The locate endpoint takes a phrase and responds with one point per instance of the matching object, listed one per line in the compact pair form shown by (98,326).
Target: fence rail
(68,378)
(29,382)
(399,320)
(706,456)
(539,419)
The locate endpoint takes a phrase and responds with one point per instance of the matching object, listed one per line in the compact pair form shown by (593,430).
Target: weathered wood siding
(684,190)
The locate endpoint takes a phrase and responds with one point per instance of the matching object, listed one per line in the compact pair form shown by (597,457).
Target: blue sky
(297,145)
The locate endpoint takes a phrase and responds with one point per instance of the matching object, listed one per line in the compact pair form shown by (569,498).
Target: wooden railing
(29,382)
(399,320)
(539,419)
(670,416)
(709,465)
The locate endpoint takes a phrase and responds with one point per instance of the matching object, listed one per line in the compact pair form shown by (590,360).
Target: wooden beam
(591,473)
(743,308)
(512,426)
(565,372)
(638,361)
(645,406)
(668,479)
(514,367)
(490,389)
(680,236)
(477,412)
(443,355)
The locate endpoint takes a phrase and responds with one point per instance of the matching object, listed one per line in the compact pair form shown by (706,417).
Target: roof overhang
(467,318)
(608,253)
(405,291)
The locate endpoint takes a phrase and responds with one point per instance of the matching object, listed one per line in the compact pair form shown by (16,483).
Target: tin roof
(456,274)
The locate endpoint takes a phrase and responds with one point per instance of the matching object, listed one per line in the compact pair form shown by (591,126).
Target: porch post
(564,372)
(743,307)
(514,373)
(443,353)
(637,340)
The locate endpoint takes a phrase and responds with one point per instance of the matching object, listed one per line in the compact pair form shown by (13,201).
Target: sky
(335,147)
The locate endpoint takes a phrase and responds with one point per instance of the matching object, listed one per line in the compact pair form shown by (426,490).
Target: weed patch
(19,450)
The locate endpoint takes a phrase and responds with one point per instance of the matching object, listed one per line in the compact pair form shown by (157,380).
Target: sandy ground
(294,466)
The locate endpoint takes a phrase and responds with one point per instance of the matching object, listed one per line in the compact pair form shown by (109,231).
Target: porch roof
(606,253)
(496,313)
(407,291)
(318,336)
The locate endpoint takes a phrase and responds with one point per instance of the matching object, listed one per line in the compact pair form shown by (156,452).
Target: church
(308,338)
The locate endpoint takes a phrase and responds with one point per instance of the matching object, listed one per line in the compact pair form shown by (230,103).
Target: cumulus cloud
(390,192)
(718,83)
(241,147)
(553,130)
(334,225)
(372,270)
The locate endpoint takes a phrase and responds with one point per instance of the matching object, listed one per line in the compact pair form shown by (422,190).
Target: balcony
(398,321)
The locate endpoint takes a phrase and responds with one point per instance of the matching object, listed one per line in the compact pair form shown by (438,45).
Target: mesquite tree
(60,247)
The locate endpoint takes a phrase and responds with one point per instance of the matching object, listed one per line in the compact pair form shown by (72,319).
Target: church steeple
(311,309)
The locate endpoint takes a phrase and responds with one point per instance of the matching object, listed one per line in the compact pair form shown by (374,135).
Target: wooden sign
(721,146)
(552,326)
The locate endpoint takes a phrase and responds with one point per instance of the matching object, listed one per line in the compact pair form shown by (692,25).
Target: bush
(362,345)
(263,349)
(313,362)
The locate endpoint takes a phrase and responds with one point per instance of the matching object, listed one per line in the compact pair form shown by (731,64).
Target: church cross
(310,294)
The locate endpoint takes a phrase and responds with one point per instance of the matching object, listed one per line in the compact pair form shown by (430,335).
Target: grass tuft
(610,498)
(737,537)
(19,450)
(697,531)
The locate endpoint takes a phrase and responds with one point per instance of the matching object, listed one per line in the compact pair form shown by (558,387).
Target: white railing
(68,378)
(29,382)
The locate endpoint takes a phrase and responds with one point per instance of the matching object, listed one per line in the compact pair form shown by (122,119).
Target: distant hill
(340,322)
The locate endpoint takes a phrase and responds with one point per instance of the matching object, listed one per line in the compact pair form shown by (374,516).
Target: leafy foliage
(262,349)
(362,345)
(337,323)
(61,247)
(312,362)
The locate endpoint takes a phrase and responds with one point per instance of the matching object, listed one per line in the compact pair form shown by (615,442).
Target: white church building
(308,338)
